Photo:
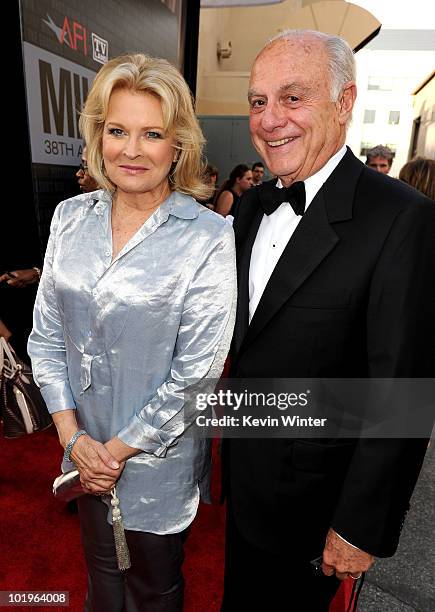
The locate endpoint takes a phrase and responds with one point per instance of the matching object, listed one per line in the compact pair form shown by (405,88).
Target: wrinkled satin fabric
(120,340)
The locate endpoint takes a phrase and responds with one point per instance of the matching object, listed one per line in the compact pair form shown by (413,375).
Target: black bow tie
(271,197)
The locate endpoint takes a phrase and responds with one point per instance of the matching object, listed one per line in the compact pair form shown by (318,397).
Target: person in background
(228,197)
(21,278)
(210,177)
(380,158)
(86,182)
(257,173)
(4,331)
(18,288)
(135,305)
(420,174)
(30,276)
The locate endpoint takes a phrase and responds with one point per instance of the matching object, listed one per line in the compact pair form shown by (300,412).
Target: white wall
(407,69)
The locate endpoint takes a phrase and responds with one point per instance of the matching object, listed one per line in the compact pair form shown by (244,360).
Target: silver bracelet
(69,446)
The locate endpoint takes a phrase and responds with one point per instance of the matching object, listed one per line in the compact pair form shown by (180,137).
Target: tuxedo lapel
(313,239)
(246,231)
(311,242)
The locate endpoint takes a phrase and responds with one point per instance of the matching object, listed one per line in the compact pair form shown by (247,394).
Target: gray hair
(380,151)
(341,58)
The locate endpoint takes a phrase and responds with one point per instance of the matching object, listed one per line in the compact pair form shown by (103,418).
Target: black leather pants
(154,583)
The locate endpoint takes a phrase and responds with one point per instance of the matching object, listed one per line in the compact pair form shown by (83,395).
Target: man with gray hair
(336,280)
(380,158)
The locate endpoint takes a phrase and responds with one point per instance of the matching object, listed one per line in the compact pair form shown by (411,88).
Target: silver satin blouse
(120,340)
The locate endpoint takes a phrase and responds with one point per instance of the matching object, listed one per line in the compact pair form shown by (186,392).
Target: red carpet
(40,542)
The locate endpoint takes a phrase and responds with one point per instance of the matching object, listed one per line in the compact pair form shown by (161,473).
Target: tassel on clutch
(122,552)
(67,486)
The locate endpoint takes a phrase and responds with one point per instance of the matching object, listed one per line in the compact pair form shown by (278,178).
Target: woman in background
(210,177)
(420,174)
(228,197)
(85,181)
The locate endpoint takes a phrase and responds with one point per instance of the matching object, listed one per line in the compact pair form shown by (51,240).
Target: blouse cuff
(58,396)
(139,434)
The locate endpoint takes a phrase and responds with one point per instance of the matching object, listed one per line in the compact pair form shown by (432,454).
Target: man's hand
(341,558)
(98,469)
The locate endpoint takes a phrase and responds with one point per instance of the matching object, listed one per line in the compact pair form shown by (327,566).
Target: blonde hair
(141,73)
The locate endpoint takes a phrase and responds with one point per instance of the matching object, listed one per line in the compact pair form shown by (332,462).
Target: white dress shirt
(276,230)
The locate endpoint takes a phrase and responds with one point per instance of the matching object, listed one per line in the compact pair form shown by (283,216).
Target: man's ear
(346,102)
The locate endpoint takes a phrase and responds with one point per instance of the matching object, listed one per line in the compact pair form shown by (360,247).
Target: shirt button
(107,253)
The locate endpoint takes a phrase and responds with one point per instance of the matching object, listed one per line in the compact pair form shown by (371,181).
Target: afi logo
(73,34)
(69,35)
(100,49)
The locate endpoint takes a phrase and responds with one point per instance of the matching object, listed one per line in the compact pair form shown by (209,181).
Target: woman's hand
(98,469)
(120,450)
(99,465)
(96,458)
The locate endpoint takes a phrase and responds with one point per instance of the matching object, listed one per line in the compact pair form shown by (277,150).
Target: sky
(402,14)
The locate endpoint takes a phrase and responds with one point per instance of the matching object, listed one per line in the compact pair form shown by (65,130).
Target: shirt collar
(314,183)
(98,200)
(182,206)
(177,204)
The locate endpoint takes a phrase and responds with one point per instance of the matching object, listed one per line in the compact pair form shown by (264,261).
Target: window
(365,146)
(415,136)
(380,83)
(369,116)
(394,118)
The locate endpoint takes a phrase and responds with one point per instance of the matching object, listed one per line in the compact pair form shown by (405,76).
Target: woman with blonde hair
(135,306)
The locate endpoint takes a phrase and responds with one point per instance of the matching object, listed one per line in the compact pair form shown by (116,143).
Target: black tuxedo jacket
(353,295)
